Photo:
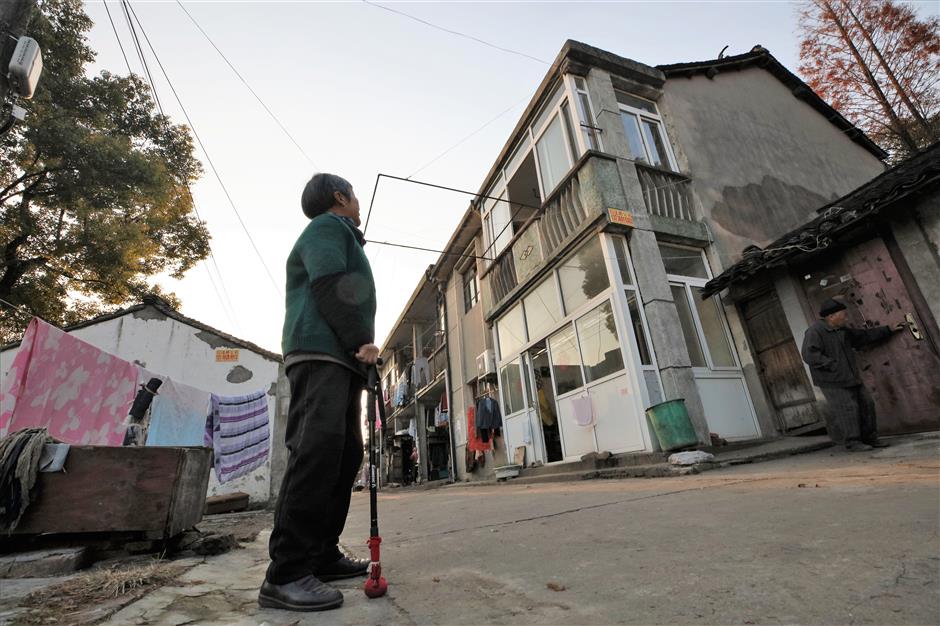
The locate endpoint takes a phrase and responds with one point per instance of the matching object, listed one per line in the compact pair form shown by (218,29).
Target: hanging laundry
(583,410)
(489,419)
(474,442)
(79,393)
(178,415)
(420,372)
(20,455)
(441,417)
(237,431)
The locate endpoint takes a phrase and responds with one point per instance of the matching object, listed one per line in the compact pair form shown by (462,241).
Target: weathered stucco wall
(919,240)
(761,160)
(168,347)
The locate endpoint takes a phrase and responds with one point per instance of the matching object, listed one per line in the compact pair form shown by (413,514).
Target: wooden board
(120,489)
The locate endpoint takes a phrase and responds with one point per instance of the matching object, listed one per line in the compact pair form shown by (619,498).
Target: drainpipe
(447,379)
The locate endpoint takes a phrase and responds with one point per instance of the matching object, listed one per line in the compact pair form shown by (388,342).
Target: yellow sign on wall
(619,216)
(226,355)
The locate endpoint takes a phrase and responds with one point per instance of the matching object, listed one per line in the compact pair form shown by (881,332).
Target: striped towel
(239,434)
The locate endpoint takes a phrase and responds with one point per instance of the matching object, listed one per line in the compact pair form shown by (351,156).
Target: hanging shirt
(420,372)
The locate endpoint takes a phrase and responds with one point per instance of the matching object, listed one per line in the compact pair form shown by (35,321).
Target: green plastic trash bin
(671,423)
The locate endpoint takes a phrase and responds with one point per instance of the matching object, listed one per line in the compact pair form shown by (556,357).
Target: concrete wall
(168,347)
(761,160)
(919,240)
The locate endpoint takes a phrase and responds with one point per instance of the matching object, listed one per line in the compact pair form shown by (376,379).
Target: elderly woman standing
(328,341)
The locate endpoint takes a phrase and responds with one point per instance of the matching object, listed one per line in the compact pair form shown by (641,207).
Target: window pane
(634,102)
(510,331)
(547,110)
(600,347)
(654,141)
(510,380)
(683,261)
(688,326)
(522,151)
(527,380)
(587,118)
(471,294)
(502,230)
(569,133)
(566,365)
(553,156)
(637,323)
(542,311)
(715,336)
(583,275)
(632,129)
(620,245)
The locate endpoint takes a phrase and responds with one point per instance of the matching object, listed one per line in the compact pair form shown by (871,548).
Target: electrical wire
(140,53)
(230,309)
(241,78)
(215,171)
(454,32)
(120,44)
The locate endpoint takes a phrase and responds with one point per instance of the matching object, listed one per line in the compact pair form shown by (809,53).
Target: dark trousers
(324,443)
(851,415)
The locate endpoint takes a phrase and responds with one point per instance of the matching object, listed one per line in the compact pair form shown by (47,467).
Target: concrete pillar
(420,423)
(279,434)
(672,356)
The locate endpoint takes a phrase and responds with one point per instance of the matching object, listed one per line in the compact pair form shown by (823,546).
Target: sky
(363,90)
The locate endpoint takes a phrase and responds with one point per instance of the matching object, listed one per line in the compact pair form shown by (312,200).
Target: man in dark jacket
(328,341)
(829,350)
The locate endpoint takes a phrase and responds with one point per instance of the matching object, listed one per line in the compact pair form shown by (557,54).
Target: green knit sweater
(330,298)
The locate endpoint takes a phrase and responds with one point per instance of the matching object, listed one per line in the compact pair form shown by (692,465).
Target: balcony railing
(564,214)
(667,194)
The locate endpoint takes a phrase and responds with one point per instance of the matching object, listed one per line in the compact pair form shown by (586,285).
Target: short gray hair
(318,196)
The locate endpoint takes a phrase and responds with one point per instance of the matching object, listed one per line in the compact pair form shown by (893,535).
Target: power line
(454,32)
(140,52)
(206,152)
(257,97)
(230,309)
(401,245)
(120,45)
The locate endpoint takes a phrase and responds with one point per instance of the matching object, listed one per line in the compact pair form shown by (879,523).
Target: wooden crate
(155,490)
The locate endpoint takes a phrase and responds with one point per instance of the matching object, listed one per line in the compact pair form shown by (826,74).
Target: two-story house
(571,289)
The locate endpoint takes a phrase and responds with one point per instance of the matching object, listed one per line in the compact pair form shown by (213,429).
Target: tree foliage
(879,65)
(94,186)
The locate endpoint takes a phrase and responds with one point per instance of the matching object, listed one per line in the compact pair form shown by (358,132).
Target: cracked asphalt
(822,538)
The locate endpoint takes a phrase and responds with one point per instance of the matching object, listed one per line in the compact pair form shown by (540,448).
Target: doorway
(545,402)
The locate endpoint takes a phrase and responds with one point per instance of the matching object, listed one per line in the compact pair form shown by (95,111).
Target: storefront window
(600,346)
(510,329)
(637,322)
(566,364)
(510,381)
(688,326)
(583,275)
(542,311)
(715,336)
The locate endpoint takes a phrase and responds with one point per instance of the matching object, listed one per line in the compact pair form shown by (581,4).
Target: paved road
(822,538)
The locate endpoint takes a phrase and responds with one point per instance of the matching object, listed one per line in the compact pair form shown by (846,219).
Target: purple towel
(237,431)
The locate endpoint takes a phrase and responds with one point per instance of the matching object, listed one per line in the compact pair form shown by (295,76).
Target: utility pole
(14,17)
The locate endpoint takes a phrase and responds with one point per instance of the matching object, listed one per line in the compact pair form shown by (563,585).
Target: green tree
(94,187)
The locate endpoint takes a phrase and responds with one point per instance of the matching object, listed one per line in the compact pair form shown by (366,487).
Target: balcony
(582,197)
(667,194)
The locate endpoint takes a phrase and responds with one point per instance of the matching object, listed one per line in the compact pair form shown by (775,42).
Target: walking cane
(376,585)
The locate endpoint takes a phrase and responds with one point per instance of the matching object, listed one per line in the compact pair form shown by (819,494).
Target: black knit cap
(829,307)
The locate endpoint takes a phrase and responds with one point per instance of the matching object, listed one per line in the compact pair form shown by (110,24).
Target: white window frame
(687,282)
(656,118)
(575,91)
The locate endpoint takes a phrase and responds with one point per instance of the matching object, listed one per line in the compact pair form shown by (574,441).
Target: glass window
(500,224)
(653,135)
(542,311)
(547,110)
(471,294)
(683,261)
(637,323)
(511,332)
(521,152)
(553,156)
(688,326)
(510,380)
(583,275)
(527,380)
(566,365)
(620,250)
(715,336)
(635,103)
(600,346)
(631,126)
(569,133)
(587,120)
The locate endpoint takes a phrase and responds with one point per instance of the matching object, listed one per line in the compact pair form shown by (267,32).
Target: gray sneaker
(305,594)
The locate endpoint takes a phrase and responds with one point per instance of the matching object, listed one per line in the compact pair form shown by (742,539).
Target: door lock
(912,325)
